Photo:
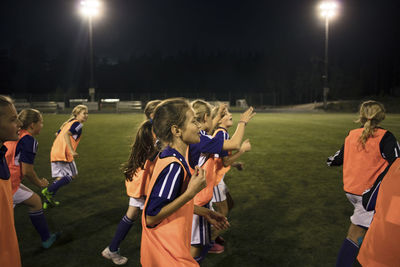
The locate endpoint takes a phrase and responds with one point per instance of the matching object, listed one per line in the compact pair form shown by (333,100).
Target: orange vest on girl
(361,166)
(9,249)
(220,170)
(60,150)
(139,185)
(205,195)
(381,243)
(168,243)
(14,166)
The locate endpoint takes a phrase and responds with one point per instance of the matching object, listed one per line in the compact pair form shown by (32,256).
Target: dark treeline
(261,78)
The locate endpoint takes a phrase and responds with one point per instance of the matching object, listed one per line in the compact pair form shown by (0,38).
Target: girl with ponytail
(366,155)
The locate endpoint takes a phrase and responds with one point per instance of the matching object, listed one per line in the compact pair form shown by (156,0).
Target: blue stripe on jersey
(166,189)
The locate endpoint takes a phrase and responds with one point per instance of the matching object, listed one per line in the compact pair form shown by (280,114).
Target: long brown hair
(168,113)
(150,107)
(371,114)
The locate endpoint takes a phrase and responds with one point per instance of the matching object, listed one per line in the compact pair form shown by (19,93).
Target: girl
(136,184)
(366,155)
(9,127)
(222,200)
(63,152)
(20,159)
(168,210)
(380,246)
(201,154)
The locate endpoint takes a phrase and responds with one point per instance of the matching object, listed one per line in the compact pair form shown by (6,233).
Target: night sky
(363,33)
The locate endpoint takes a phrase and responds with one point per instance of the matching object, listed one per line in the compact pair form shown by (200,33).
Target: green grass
(290,209)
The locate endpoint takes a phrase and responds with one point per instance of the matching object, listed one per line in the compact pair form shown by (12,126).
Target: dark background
(270,52)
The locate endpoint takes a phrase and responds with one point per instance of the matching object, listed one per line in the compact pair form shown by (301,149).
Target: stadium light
(90,9)
(328,10)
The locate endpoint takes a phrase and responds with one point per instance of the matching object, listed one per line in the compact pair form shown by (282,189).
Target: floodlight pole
(91,85)
(325,76)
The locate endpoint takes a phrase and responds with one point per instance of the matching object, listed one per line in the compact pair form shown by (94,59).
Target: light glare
(90,8)
(328,9)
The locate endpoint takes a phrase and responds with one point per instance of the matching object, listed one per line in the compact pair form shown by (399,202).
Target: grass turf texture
(290,209)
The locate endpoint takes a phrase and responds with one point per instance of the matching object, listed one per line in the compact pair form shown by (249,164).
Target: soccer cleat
(49,242)
(114,256)
(49,199)
(216,249)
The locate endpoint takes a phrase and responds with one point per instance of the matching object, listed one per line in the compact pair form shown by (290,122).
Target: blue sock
(59,183)
(39,222)
(122,230)
(347,254)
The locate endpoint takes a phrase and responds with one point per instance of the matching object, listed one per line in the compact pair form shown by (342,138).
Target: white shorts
(360,216)
(219,192)
(201,230)
(23,193)
(62,168)
(137,202)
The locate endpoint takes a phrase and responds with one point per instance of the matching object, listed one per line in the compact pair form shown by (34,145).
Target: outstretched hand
(247,115)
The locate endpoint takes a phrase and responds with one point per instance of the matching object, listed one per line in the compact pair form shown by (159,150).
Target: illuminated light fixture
(328,9)
(90,8)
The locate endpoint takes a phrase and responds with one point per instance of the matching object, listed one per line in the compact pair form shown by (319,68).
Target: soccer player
(201,154)
(20,159)
(366,155)
(222,200)
(380,246)
(63,152)
(136,181)
(9,127)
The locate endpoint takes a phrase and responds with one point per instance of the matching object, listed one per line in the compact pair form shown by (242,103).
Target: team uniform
(201,154)
(24,151)
(220,190)
(380,246)
(62,162)
(362,167)
(9,250)
(168,243)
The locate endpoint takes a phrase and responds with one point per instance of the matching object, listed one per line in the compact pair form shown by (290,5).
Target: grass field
(290,207)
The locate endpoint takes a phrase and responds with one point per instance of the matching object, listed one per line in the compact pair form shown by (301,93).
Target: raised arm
(229,160)
(236,140)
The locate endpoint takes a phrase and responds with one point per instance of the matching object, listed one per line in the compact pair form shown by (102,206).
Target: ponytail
(142,149)
(371,114)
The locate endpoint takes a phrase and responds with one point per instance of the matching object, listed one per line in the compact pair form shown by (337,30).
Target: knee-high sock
(39,222)
(347,254)
(122,230)
(59,183)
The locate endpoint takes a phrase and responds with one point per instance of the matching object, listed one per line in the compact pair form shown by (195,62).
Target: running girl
(222,200)
(20,159)
(168,210)
(201,154)
(366,155)
(136,185)
(63,152)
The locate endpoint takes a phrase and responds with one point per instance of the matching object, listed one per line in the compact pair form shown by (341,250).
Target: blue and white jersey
(225,135)
(200,152)
(26,150)
(168,185)
(76,130)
